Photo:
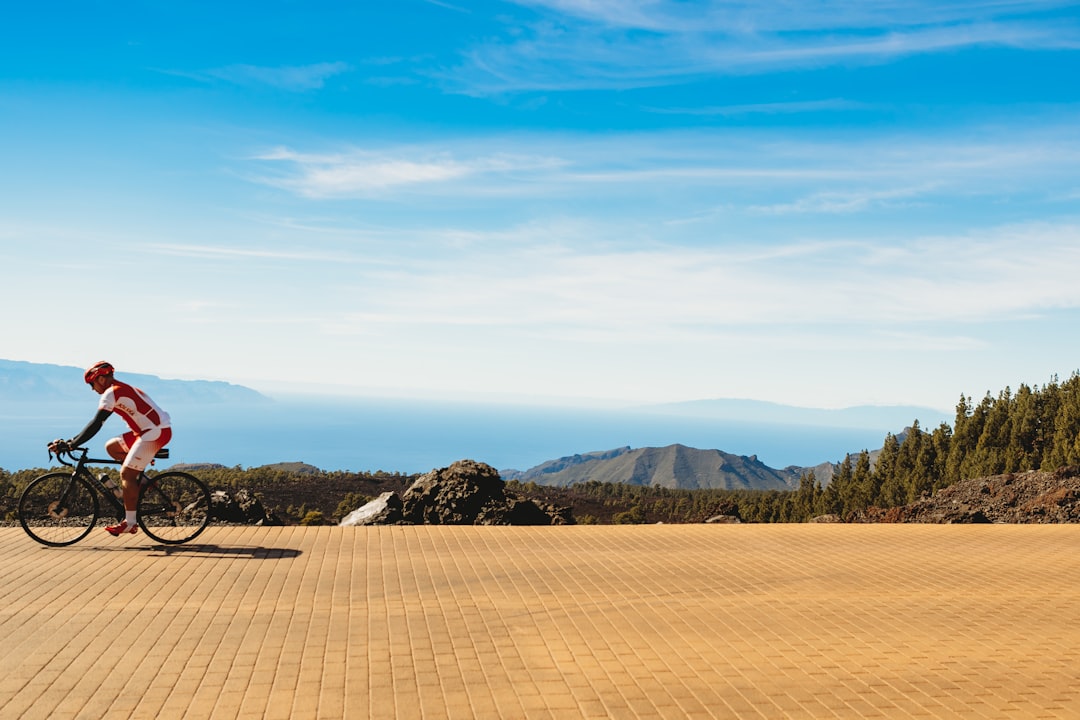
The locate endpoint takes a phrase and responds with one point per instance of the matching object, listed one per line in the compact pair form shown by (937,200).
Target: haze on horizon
(823,204)
(231,425)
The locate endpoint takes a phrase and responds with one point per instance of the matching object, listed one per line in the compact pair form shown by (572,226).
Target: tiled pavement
(668,621)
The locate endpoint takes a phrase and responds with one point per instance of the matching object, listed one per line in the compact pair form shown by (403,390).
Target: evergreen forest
(1034,428)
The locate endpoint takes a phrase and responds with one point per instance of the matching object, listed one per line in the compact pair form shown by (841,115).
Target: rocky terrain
(470,492)
(466,493)
(1028,497)
(240,508)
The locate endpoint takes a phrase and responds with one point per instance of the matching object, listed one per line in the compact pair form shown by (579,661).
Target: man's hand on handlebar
(59,446)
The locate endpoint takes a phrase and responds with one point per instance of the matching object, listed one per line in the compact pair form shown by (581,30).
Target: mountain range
(24,382)
(674,466)
(232,425)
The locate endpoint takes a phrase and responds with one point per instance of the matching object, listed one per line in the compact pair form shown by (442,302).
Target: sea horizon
(412,436)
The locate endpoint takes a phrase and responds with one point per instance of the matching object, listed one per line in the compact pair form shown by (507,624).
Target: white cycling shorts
(141,449)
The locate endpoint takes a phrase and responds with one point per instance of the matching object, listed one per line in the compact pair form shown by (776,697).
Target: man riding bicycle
(150,431)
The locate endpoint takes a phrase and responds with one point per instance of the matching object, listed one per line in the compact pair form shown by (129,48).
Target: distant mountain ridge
(760,411)
(677,467)
(38,382)
(219,422)
(673,466)
(682,467)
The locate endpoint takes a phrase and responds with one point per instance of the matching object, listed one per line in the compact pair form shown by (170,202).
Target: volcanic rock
(383,510)
(1027,497)
(472,493)
(241,507)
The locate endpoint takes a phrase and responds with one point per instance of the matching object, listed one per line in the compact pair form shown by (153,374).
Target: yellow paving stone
(649,622)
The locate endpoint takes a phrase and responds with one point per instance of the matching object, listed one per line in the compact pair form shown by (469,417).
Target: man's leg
(129,483)
(117,449)
(129,477)
(121,449)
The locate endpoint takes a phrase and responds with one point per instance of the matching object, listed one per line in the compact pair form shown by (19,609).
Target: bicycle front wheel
(58,509)
(174,507)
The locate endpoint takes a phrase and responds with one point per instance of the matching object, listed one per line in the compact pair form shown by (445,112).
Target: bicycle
(61,508)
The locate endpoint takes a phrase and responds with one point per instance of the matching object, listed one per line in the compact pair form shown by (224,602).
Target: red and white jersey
(135,406)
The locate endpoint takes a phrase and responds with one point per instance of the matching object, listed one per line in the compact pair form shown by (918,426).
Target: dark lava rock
(1034,496)
(466,493)
(241,507)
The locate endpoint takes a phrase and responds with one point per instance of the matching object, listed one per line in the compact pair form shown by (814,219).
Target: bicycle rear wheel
(58,509)
(174,507)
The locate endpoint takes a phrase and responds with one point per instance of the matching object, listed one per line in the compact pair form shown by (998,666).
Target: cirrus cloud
(360,173)
(293,78)
(623,44)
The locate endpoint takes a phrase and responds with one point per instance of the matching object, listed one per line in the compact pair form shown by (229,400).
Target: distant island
(223,423)
(24,382)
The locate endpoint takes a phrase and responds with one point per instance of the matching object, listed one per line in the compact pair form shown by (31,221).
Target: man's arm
(91,428)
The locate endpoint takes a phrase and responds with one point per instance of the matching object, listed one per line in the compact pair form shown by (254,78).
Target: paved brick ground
(677,621)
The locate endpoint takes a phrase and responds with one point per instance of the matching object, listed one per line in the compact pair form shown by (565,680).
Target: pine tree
(891,492)
(1049,402)
(964,433)
(941,439)
(806,497)
(1066,443)
(990,450)
(839,491)
(967,441)
(1022,448)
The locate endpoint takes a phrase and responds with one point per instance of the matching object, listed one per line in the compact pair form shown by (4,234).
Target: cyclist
(149,432)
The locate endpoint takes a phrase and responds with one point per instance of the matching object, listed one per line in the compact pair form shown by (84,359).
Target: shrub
(313,517)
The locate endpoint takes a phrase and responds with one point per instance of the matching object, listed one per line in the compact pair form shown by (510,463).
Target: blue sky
(817,203)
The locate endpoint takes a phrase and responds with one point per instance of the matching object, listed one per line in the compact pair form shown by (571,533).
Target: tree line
(1033,428)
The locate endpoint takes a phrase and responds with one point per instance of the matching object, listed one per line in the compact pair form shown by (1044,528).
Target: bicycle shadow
(210,550)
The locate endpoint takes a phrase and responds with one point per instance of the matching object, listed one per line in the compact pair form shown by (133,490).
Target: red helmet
(98,369)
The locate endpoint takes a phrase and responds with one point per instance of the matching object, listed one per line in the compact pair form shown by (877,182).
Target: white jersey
(138,410)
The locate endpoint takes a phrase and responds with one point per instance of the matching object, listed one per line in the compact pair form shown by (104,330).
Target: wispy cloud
(847,202)
(294,78)
(760,172)
(360,173)
(775,108)
(551,283)
(221,252)
(623,43)
(449,6)
(752,16)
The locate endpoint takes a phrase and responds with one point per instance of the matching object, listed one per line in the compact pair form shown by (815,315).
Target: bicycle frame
(79,467)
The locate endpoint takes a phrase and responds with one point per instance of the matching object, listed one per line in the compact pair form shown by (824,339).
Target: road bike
(60,508)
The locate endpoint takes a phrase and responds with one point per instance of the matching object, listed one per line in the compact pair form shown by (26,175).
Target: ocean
(412,436)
